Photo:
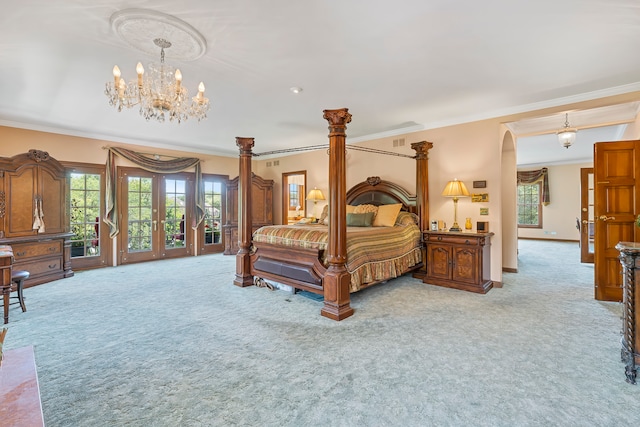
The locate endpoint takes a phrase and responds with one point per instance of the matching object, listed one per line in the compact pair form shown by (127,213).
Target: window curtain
(152,165)
(531,177)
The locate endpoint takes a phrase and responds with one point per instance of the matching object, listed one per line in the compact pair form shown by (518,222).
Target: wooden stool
(18,277)
(5,296)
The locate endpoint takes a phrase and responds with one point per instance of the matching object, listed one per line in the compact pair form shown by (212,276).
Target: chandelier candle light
(159,93)
(455,189)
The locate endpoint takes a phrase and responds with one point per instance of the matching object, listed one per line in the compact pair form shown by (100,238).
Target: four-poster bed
(324,269)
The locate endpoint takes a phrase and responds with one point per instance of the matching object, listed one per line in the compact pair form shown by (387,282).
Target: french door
(156,215)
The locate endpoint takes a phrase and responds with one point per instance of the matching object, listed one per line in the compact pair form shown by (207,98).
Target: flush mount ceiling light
(567,135)
(160,92)
(296,89)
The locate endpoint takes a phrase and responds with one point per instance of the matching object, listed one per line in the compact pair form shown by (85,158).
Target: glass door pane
(175,213)
(212,212)
(140,222)
(85,214)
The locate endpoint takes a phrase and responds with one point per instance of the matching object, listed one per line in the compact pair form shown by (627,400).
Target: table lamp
(313,196)
(455,189)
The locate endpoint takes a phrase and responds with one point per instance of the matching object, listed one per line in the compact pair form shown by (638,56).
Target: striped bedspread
(373,253)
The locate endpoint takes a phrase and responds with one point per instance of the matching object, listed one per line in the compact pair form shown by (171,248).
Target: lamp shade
(455,188)
(315,195)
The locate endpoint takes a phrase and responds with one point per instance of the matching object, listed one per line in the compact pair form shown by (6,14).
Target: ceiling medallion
(140,27)
(160,93)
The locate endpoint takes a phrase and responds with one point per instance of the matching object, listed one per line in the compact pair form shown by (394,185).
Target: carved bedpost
(422,193)
(243,261)
(337,279)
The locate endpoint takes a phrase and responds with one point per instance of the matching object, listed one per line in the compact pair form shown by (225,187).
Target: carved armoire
(261,209)
(34,217)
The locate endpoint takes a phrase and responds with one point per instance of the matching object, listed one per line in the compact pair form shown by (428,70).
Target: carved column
(422,195)
(337,278)
(630,354)
(243,260)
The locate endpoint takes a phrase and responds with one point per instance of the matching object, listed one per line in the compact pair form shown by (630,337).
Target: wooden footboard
(297,267)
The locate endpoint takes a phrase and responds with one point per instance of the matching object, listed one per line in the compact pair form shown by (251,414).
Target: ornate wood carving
(373,180)
(422,194)
(336,281)
(630,352)
(243,260)
(29,177)
(38,155)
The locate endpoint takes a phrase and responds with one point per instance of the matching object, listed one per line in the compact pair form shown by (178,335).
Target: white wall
(559,216)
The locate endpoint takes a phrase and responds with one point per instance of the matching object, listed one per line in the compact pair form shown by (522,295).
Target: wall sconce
(455,189)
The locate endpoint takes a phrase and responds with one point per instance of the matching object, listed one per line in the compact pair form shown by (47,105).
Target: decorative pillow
(325,221)
(406,218)
(365,209)
(324,214)
(360,219)
(387,214)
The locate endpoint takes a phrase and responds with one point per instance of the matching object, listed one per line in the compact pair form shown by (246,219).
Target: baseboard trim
(551,240)
(497,284)
(509,270)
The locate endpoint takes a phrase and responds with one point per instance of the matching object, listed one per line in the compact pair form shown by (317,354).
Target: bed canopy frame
(336,278)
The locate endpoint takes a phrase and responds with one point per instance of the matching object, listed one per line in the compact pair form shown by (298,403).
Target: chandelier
(567,135)
(159,93)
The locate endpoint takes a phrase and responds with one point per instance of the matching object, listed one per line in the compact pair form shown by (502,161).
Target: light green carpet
(174,343)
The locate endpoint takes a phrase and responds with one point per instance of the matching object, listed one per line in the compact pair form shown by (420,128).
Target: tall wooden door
(156,218)
(587,216)
(617,174)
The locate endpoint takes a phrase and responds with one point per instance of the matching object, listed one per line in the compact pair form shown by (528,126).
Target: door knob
(606,218)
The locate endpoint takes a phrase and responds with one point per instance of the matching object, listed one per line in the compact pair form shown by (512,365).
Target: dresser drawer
(453,239)
(41,267)
(36,249)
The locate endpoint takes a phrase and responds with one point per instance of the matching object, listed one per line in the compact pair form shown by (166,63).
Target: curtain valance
(152,165)
(531,177)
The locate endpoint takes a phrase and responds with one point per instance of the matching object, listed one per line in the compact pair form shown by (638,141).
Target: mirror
(293,196)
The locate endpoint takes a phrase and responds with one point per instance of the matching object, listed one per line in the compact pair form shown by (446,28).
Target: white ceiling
(537,141)
(398,66)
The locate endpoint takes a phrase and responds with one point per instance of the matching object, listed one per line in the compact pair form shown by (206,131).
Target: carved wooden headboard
(376,191)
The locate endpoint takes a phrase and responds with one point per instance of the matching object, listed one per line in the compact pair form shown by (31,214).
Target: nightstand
(460,260)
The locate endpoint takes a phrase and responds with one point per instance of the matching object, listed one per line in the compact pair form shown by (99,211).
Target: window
(294,196)
(530,205)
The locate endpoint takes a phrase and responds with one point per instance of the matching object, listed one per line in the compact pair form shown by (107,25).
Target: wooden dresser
(458,260)
(261,209)
(31,184)
(630,260)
